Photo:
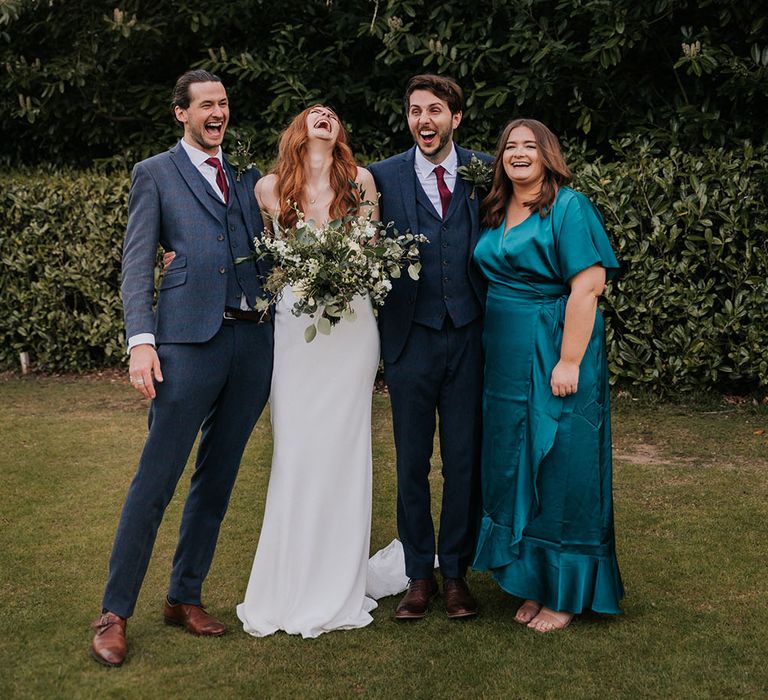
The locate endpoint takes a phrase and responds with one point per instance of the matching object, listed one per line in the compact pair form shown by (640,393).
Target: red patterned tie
(442,188)
(221,179)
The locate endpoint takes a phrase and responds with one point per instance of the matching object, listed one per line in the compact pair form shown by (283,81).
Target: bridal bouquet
(328,265)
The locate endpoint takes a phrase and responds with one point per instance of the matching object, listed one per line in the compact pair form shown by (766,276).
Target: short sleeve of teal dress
(547,527)
(580,237)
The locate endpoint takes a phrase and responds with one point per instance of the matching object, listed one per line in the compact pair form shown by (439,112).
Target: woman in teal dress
(547,527)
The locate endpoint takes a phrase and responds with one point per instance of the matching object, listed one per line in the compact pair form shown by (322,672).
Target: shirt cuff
(141,339)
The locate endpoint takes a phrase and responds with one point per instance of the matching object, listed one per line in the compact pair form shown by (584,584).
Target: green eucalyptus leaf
(324,325)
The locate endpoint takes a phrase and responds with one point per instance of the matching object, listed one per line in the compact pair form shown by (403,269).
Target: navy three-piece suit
(216,372)
(431,344)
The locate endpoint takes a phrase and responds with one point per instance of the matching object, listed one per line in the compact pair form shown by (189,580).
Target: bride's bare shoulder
(266,192)
(365,180)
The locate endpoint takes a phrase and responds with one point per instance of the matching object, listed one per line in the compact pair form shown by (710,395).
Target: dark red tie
(221,178)
(442,188)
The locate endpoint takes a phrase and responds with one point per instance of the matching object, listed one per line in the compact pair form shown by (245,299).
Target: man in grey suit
(202,355)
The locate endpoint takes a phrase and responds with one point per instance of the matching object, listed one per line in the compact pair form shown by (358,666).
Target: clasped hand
(565,378)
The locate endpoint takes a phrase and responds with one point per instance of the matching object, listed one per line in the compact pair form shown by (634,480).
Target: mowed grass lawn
(691,500)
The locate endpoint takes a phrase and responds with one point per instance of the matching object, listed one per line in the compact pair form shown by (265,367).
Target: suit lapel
(195,181)
(472,204)
(407,175)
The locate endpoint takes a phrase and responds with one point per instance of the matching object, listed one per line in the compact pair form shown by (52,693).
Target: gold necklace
(312,200)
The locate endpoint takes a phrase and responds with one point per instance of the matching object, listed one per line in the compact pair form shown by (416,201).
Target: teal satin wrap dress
(547,523)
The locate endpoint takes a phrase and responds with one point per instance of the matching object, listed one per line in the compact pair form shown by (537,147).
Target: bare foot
(527,611)
(549,620)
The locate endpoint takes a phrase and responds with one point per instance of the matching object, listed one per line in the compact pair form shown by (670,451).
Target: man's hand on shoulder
(144,369)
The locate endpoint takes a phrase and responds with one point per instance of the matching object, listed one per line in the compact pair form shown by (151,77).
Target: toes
(549,620)
(527,611)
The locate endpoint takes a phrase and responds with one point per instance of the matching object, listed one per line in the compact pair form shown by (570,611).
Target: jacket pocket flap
(173,279)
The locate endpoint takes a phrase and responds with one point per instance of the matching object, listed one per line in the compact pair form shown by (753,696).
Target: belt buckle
(228,316)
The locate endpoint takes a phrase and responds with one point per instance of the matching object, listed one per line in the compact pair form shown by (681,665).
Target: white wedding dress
(309,572)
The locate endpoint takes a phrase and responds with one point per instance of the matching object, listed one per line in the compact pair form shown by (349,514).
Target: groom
(431,347)
(202,355)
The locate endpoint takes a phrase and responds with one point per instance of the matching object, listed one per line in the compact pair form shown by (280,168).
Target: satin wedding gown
(309,572)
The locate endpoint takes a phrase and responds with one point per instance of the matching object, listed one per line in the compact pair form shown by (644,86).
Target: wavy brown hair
(556,174)
(292,178)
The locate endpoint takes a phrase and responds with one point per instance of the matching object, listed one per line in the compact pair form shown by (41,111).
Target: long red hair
(292,179)
(556,174)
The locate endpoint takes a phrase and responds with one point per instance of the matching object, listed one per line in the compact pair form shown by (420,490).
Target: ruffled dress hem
(566,581)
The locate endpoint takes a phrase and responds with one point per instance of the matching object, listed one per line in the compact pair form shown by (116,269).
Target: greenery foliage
(663,103)
(688,311)
(94,80)
(691,232)
(60,249)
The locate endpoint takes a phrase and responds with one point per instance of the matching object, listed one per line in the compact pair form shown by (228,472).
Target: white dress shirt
(198,159)
(425,172)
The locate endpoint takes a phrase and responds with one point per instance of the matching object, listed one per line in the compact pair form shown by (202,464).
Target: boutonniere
(241,159)
(476,173)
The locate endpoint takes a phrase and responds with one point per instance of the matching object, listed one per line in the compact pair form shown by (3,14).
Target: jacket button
(222,270)
(231,227)
(220,237)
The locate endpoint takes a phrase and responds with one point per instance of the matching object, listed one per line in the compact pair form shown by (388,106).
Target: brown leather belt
(252,316)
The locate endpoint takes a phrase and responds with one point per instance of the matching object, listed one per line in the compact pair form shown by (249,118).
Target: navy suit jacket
(171,204)
(396,182)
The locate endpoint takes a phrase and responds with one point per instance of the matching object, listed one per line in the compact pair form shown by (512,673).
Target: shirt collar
(425,167)
(197,156)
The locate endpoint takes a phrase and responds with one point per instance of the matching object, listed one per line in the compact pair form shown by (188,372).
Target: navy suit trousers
(439,372)
(220,386)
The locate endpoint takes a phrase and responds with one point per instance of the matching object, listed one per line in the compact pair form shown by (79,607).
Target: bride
(309,572)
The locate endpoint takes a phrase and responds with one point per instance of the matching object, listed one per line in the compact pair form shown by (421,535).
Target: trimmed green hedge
(690,309)
(60,247)
(688,312)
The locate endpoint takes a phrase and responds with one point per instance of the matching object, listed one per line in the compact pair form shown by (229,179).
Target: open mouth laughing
(428,137)
(323,123)
(214,128)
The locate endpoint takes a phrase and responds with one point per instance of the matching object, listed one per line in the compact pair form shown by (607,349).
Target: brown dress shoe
(194,619)
(459,602)
(415,602)
(109,646)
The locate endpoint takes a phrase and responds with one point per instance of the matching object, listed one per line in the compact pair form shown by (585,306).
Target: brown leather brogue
(459,602)
(109,646)
(194,619)
(415,603)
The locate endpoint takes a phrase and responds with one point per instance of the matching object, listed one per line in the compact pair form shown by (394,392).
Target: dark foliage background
(661,104)
(91,79)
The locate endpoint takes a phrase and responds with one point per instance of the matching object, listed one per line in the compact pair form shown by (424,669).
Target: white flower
(299,289)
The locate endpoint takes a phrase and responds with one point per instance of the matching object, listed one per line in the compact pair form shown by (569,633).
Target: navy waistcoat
(241,278)
(444,285)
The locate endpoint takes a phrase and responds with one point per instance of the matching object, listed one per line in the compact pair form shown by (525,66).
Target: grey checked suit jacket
(171,203)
